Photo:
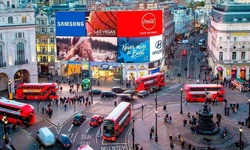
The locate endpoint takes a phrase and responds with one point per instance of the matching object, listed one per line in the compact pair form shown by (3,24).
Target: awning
(238,80)
(219,68)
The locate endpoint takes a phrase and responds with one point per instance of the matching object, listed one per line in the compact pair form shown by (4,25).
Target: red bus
(17,112)
(116,121)
(36,91)
(197,92)
(146,82)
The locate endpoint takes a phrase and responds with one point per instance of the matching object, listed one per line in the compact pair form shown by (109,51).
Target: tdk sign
(158,44)
(104,66)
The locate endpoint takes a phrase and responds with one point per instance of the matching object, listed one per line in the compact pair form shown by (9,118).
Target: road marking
(58,129)
(84,122)
(31,138)
(70,127)
(99,132)
(113,143)
(88,129)
(75,137)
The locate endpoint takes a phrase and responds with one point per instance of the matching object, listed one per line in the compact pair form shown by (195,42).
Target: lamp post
(133,133)
(181,111)
(121,67)
(248,119)
(241,130)
(206,96)
(5,123)
(9,83)
(156,135)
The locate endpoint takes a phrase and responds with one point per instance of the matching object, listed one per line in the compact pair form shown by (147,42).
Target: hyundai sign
(70,24)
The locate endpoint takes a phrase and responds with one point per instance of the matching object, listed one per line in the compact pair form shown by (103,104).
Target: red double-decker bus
(116,121)
(36,91)
(199,92)
(149,81)
(17,112)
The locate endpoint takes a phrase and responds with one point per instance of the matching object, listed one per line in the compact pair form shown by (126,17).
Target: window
(1,36)
(20,35)
(42,22)
(221,56)
(52,40)
(235,39)
(20,53)
(234,56)
(10,19)
(24,19)
(43,30)
(43,40)
(52,50)
(1,54)
(220,39)
(52,21)
(243,55)
(51,30)
(43,49)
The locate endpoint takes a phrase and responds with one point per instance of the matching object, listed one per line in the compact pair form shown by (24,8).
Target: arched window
(10,19)
(44,59)
(20,53)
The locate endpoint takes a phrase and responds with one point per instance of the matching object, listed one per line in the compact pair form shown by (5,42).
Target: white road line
(70,127)
(75,137)
(85,121)
(87,130)
(113,143)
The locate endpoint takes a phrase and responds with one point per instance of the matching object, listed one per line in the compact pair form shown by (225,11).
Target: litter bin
(164,107)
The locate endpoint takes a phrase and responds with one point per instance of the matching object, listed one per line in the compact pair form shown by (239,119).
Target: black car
(105,94)
(95,92)
(79,119)
(64,141)
(132,92)
(117,89)
(126,97)
(155,89)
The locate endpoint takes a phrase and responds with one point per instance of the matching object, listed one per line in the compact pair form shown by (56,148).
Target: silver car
(143,93)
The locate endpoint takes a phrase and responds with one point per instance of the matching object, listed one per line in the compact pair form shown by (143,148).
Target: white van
(46,137)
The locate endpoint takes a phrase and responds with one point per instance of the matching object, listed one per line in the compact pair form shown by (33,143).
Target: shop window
(220,39)
(243,55)
(228,72)
(24,19)
(235,39)
(221,56)
(234,56)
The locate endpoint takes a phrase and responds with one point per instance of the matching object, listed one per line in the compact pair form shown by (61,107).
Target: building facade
(228,41)
(17,45)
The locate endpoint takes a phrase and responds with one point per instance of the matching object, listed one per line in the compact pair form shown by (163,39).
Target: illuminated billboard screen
(94,49)
(139,23)
(70,24)
(101,23)
(133,50)
(156,50)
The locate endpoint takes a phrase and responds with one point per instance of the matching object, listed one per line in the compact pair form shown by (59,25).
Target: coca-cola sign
(148,21)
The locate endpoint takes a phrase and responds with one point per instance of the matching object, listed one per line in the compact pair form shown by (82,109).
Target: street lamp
(133,133)
(156,136)
(121,67)
(181,111)
(248,119)
(205,95)
(5,122)
(241,130)
(9,83)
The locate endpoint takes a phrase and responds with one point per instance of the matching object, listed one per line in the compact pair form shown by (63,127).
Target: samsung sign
(70,24)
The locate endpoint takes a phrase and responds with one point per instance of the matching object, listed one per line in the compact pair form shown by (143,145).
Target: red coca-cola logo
(148,21)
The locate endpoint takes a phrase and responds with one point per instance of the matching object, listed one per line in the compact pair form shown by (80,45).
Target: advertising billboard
(101,23)
(139,23)
(94,49)
(156,49)
(133,50)
(70,24)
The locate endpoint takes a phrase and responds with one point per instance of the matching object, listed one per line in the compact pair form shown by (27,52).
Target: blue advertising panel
(70,24)
(133,50)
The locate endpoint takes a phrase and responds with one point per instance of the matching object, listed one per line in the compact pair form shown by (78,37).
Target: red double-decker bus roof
(140,79)
(202,85)
(118,111)
(14,107)
(37,84)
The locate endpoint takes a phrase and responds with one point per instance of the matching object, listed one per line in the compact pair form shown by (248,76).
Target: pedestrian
(189,146)
(150,136)
(65,107)
(86,104)
(115,103)
(170,119)
(89,103)
(14,127)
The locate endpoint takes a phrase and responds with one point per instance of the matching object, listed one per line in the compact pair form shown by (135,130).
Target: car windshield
(93,119)
(65,139)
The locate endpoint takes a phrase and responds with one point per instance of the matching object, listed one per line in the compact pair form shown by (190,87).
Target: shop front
(102,70)
(243,73)
(233,73)
(143,70)
(240,85)
(220,72)
(131,73)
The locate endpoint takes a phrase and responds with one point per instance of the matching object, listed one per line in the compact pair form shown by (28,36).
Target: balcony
(3,64)
(21,62)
